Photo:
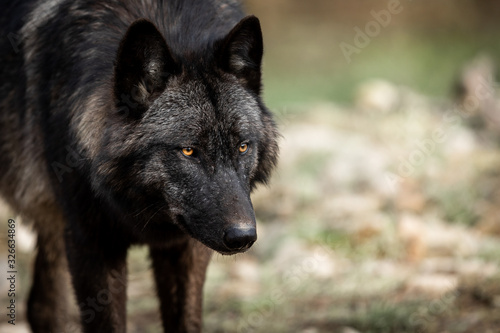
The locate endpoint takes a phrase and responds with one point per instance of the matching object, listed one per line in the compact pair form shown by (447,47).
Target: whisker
(145,224)
(139,213)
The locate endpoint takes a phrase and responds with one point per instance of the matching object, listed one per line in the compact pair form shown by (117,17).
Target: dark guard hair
(131,122)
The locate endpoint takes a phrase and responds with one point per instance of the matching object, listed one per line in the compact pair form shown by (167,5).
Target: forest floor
(382,217)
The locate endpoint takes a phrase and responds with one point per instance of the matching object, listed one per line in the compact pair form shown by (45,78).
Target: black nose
(240,238)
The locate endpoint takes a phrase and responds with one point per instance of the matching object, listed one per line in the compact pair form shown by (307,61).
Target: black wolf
(131,122)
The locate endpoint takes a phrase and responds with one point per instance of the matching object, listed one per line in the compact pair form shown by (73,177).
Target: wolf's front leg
(98,269)
(48,304)
(180,273)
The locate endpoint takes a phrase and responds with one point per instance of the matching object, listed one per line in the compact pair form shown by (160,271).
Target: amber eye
(188,151)
(243,148)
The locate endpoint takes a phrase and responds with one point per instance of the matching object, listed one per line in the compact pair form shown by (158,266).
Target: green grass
(381,317)
(429,64)
(457,203)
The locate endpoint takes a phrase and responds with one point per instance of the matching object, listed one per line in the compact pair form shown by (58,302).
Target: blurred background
(384,213)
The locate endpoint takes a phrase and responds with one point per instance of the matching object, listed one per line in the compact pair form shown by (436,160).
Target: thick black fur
(99,101)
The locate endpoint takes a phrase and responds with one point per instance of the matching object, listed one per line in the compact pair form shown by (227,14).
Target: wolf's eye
(243,148)
(187,151)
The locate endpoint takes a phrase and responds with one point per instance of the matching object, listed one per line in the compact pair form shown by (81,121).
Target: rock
(384,269)
(459,142)
(246,270)
(477,267)
(310,330)
(356,161)
(435,238)
(25,238)
(410,196)
(370,225)
(350,204)
(432,284)
(441,265)
(463,267)
(378,95)
(489,223)
(411,231)
(444,239)
(347,329)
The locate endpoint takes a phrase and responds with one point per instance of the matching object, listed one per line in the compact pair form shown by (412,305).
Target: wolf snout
(240,238)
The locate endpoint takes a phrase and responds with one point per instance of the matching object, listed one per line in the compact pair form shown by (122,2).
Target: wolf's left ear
(240,52)
(143,65)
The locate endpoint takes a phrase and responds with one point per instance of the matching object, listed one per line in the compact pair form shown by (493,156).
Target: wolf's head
(189,137)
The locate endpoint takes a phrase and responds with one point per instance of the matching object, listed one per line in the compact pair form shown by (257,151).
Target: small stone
(348,330)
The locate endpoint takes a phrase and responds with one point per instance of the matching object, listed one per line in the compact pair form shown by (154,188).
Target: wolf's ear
(241,51)
(143,65)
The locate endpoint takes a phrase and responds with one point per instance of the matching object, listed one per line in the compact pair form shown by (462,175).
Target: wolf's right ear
(143,65)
